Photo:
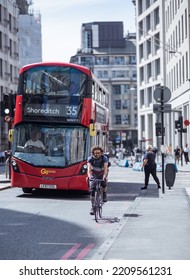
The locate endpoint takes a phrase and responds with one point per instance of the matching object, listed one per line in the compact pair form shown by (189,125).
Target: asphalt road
(51,225)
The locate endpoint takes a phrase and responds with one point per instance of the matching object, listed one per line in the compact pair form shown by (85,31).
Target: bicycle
(98,199)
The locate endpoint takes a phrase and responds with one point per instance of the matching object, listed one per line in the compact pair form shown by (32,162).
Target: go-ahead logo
(45,171)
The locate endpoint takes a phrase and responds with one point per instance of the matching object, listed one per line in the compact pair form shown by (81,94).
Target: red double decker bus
(61,111)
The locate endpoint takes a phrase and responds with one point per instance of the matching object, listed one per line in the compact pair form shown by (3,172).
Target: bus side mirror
(11,135)
(92,130)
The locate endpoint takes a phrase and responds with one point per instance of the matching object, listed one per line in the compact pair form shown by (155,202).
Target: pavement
(5,182)
(156,226)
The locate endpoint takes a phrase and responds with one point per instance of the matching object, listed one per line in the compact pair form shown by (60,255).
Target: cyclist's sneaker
(105,197)
(92,211)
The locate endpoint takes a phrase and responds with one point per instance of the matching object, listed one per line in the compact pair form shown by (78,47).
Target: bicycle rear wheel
(98,205)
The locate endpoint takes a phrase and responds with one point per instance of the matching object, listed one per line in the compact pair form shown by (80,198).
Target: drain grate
(131,215)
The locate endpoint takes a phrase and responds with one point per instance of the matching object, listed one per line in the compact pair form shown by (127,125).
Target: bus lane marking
(85,251)
(70,251)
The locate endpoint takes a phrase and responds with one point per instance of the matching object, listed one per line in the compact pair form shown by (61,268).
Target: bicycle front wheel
(98,205)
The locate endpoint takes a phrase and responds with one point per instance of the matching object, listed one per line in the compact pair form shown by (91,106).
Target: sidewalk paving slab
(5,182)
(155,227)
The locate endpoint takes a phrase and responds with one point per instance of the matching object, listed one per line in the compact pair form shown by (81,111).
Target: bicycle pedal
(92,211)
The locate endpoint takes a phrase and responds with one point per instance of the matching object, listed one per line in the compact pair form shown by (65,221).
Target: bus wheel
(26,190)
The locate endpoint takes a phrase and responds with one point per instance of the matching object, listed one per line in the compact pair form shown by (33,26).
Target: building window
(149,70)
(102,74)
(179,35)
(183,69)
(102,60)
(118,74)
(117,119)
(186,21)
(86,60)
(157,67)
(119,60)
(147,4)
(125,89)
(116,89)
(140,7)
(1,42)
(142,98)
(142,121)
(149,92)
(134,74)
(132,60)
(125,104)
(10,45)
(125,119)
(141,74)
(187,73)
(182,27)
(180,72)
(11,72)
(10,22)
(148,26)
(117,104)
(141,50)
(1,67)
(140,28)
(148,45)
(156,17)
(135,105)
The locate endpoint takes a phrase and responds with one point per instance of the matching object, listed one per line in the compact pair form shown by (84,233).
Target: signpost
(162,95)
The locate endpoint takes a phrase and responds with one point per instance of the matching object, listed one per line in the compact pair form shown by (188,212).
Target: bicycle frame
(98,200)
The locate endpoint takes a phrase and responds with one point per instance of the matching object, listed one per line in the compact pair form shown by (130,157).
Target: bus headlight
(83,169)
(15,166)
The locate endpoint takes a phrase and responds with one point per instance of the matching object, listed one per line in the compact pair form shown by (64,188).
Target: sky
(61,22)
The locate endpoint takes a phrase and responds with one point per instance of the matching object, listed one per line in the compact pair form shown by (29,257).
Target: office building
(9,54)
(30,37)
(163,59)
(112,57)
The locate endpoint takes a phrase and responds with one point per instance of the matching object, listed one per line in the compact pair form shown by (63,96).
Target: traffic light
(179,124)
(158,129)
(7,107)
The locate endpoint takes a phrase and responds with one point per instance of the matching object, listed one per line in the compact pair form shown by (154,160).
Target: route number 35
(72,110)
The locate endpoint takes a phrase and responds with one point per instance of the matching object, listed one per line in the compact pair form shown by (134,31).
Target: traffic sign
(166,108)
(165,91)
(7,119)
(186,122)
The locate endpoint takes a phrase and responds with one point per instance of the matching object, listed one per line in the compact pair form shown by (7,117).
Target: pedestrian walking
(150,167)
(186,153)
(177,153)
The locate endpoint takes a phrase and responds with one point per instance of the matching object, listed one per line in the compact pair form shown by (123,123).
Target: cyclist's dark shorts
(92,185)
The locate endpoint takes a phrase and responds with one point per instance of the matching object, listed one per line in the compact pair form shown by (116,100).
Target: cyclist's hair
(96,148)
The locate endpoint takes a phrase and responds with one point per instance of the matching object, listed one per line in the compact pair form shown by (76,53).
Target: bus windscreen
(50,145)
